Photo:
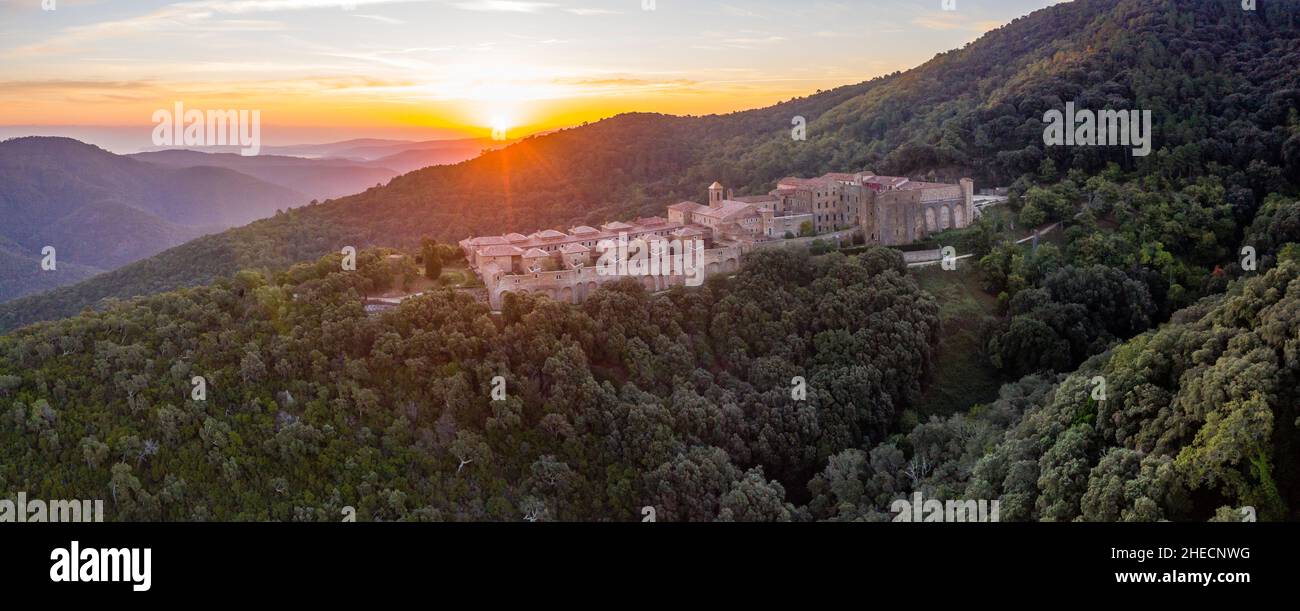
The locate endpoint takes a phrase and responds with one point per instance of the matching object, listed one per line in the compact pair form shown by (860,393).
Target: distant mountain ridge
(101,210)
(313,178)
(368,149)
(400,156)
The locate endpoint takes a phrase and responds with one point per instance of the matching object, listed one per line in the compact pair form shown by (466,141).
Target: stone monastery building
(884,210)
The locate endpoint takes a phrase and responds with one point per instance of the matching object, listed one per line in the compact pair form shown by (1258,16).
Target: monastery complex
(883,210)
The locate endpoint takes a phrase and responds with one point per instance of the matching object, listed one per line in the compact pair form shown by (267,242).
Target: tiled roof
(583,230)
(550,234)
(574,248)
(501,250)
(491,240)
(616,226)
(536,253)
(887,181)
(727,209)
(686,207)
(840,176)
(515,237)
(808,183)
(912,186)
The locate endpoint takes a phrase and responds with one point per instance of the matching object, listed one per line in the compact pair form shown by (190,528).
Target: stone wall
(783,224)
(944,194)
(843,237)
(575,285)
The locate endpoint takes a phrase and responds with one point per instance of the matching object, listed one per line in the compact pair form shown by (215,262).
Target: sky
(322,70)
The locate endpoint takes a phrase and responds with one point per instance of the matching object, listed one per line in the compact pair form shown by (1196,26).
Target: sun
(501,125)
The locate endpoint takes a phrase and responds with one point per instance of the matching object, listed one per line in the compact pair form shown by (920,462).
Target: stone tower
(715,194)
(968,199)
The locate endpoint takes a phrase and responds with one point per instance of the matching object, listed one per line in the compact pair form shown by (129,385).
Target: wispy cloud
(383,19)
(592,11)
(749,42)
(736,11)
(193,16)
(61,85)
(503,6)
(949,21)
(264,6)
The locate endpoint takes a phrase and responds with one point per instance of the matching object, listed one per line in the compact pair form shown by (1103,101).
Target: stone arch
(959,216)
(945,217)
(591,288)
(931,224)
(918,225)
(566,295)
(729,265)
(711,269)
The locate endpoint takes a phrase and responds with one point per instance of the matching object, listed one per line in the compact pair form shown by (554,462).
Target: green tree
(432,256)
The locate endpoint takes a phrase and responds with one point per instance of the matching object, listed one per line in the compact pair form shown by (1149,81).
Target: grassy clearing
(961,378)
(454,277)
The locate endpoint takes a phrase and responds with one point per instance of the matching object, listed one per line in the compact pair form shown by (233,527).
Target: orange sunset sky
(326,69)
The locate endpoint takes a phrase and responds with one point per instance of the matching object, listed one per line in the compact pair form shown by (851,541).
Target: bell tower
(715,194)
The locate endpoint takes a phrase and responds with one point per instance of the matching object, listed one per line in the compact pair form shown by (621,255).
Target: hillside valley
(974,111)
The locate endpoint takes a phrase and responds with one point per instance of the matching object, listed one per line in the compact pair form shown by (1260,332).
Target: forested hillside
(21,273)
(101,211)
(683,401)
(1220,83)
(1198,420)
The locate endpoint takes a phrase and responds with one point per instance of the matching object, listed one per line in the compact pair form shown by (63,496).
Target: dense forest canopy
(683,401)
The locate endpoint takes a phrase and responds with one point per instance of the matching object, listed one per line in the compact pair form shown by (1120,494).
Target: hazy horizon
(130,139)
